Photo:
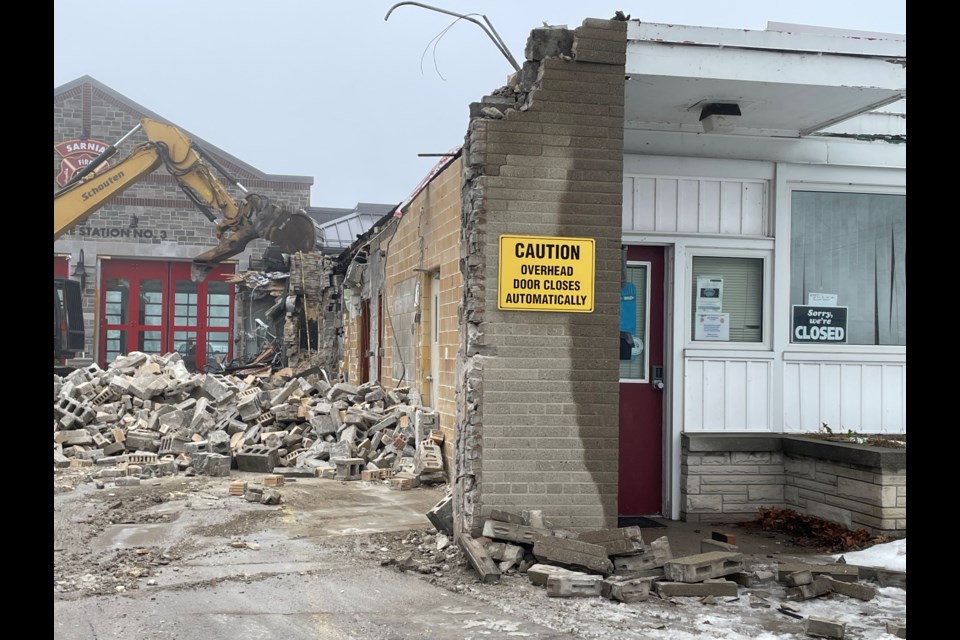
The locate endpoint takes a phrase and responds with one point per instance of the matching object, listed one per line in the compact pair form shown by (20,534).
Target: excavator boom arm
(239,223)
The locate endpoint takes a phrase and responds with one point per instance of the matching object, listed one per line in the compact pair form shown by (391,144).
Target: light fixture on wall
(719,117)
(80,271)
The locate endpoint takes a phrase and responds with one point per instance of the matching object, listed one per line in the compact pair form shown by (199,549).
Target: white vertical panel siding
(753,209)
(893,385)
(709,214)
(688,206)
(644,203)
(731,207)
(851,394)
(667,210)
(726,395)
(871,402)
(627,217)
(830,393)
(735,394)
(847,396)
(758,390)
(714,384)
(694,205)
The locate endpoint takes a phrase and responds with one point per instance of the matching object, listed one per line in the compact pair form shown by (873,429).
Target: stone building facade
(143,239)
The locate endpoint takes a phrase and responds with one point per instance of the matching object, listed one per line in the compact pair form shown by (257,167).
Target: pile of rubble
(618,564)
(146,416)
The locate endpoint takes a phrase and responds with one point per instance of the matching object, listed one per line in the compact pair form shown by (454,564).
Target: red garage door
(155,307)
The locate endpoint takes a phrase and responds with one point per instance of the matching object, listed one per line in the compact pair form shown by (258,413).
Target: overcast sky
(332,91)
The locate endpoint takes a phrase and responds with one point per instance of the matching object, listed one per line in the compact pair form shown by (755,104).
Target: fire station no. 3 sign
(541,273)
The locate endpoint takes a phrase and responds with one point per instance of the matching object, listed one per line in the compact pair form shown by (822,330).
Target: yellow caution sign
(541,273)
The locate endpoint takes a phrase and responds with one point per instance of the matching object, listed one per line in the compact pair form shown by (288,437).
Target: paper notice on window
(712,326)
(709,294)
(821,299)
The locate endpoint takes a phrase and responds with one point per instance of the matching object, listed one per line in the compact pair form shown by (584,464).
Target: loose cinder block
(897,629)
(824,628)
(506,516)
(891,578)
(296,472)
(799,578)
(481,561)
(626,590)
(716,588)
(513,532)
(604,535)
(539,573)
(852,589)
(572,553)
(573,585)
(845,572)
(819,587)
(700,567)
(441,515)
(707,545)
(639,562)
(258,459)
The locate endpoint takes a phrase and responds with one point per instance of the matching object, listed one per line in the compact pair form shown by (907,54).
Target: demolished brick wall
(306,299)
(537,393)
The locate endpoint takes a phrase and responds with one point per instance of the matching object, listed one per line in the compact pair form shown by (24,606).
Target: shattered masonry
(147,416)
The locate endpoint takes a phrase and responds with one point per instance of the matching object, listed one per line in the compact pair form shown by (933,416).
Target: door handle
(656,380)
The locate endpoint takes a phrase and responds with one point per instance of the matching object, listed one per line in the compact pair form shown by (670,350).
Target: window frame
(766,310)
(646,326)
(786,249)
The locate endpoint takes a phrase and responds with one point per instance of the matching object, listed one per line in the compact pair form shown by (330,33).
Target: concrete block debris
(845,572)
(148,407)
(574,585)
(712,587)
(697,568)
(820,586)
(824,628)
(626,590)
(478,557)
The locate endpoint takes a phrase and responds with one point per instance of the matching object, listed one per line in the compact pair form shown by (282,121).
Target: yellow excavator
(237,222)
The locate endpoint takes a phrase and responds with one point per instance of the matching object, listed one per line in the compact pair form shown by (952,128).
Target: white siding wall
(727,394)
(867,397)
(694,205)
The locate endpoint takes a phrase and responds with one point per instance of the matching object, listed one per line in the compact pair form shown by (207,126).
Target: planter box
(726,477)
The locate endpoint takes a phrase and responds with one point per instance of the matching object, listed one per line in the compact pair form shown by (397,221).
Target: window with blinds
(635,369)
(741,295)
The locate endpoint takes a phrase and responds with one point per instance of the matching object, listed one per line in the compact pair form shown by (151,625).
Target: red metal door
(201,317)
(154,307)
(641,398)
(132,303)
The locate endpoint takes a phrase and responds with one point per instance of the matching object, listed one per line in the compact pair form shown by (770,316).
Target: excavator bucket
(291,231)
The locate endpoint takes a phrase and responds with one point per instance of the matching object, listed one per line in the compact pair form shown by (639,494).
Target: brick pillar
(537,392)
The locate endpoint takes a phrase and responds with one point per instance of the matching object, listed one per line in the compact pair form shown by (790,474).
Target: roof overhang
(783,83)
